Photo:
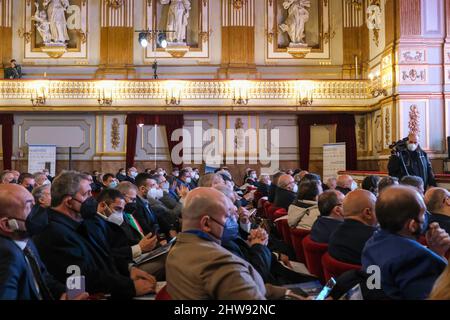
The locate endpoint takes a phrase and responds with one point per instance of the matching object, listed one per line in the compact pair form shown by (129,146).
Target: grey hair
(38,192)
(126,186)
(66,184)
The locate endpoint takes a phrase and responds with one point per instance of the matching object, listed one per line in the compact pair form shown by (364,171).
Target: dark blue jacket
(408,269)
(65,242)
(323,228)
(16,276)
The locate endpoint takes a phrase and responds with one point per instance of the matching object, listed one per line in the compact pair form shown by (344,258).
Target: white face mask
(295,189)
(155,193)
(165,186)
(116,218)
(354,186)
(46,182)
(246,226)
(134,174)
(188,180)
(176,174)
(269,183)
(253,176)
(412,147)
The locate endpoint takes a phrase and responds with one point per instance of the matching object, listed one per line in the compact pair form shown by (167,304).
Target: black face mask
(130,207)
(30,188)
(89,208)
(14,181)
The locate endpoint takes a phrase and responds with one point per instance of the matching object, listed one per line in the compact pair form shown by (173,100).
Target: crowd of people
(215,239)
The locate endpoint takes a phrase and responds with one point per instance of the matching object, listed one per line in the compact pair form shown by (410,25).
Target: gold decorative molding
(192,89)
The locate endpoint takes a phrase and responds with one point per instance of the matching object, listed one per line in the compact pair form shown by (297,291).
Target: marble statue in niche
(42,24)
(239,138)
(294,25)
(177,20)
(56,12)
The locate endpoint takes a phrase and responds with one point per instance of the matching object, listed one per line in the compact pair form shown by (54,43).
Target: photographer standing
(408,159)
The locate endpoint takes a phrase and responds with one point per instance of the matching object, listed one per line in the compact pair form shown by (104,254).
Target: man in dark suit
(69,240)
(131,175)
(348,241)
(286,192)
(23,276)
(144,214)
(330,205)
(407,269)
(345,184)
(438,204)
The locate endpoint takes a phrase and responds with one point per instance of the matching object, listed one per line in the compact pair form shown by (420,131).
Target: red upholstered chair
(281,212)
(333,268)
(163,294)
(271,212)
(313,256)
(261,211)
(297,236)
(256,197)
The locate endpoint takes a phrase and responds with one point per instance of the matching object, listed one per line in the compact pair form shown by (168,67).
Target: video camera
(399,146)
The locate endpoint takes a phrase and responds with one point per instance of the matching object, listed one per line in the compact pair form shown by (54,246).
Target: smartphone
(75,286)
(326,290)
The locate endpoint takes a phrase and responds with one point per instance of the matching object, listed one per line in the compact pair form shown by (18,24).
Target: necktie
(43,289)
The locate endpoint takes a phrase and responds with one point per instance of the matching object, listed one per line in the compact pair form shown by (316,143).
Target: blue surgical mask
(113,185)
(230,229)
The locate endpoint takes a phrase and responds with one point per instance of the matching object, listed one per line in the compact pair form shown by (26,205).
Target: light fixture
(173,92)
(146,36)
(39,92)
(105,93)
(304,92)
(240,92)
(377,88)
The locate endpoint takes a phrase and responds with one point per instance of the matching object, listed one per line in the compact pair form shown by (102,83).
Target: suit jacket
(323,228)
(130,179)
(443,220)
(214,272)
(284,198)
(348,241)
(169,216)
(149,219)
(37,220)
(172,204)
(264,189)
(65,242)
(408,269)
(16,276)
(272,192)
(344,191)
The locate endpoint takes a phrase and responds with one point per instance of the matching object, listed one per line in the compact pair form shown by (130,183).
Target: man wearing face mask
(121,175)
(6,177)
(23,276)
(27,181)
(410,160)
(286,191)
(408,269)
(214,272)
(131,175)
(148,218)
(109,181)
(184,179)
(70,239)
(173,206)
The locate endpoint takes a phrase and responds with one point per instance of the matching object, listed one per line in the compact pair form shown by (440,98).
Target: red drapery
(345,132)
(171,122)
(7,122)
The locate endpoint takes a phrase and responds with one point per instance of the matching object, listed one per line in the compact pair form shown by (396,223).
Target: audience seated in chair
(408,269)
(345,184)
(348,241)
(438,204)
(303,212)
(330,206)
(286,192)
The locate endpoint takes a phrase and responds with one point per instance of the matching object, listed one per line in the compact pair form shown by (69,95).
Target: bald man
(286,192)
(438,204)
(348,241)
(23,276)
(408,269)
(411,160)
(213,272)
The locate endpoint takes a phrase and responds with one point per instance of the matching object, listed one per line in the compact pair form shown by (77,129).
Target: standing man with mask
(411,160)
(23,276)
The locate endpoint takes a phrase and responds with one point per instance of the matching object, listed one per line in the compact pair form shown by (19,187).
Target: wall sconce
(240,92)
(377,89)
(105,93)
(173,92)
(39,92)
(305,93)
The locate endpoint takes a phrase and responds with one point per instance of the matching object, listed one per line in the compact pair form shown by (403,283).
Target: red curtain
(345,132)
(171,122)
(7,122)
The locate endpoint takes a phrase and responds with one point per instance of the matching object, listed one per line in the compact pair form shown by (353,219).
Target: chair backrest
(333,268)
(297,236)
(271,211)
(280,212)
(313,256)
(266,207)
(163,294)
(284,230)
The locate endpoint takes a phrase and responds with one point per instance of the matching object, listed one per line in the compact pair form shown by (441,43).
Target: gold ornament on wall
(387,124)
(115,133)
(114,3)
(414,120)
(362,133)
(238,4)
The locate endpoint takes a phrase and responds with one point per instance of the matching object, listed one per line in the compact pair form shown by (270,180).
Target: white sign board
(42,157)
(333,160)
